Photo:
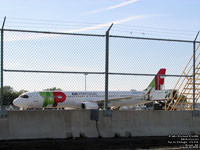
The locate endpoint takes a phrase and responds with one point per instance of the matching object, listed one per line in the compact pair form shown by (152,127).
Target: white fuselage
(75,99)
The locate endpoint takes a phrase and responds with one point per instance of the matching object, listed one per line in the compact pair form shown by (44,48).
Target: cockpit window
(24,96)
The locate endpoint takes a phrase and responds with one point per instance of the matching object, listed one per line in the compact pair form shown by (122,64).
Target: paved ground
(86,144)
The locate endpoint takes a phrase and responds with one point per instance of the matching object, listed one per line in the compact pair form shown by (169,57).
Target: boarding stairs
(181,97)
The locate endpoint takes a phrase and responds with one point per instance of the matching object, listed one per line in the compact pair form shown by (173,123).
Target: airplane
(93,99)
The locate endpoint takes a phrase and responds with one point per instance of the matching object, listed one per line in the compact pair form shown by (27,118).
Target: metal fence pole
(107,70)
(2,32)
(86,81)
(194,74)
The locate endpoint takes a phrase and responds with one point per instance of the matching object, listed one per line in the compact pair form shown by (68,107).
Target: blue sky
(178,14)
(177,19)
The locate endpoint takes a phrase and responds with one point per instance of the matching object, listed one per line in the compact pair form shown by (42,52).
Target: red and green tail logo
(157,83)
(52,98)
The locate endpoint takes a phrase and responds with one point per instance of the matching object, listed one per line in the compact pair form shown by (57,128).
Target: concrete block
(78,123)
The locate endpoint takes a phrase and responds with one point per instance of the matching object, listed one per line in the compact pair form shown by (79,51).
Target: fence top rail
(86,73)
(59,33)
(102,35)
(154,39)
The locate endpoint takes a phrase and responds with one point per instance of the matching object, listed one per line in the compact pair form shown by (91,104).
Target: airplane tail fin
(157,83)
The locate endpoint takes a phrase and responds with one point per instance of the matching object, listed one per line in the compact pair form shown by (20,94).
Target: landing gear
(159,106)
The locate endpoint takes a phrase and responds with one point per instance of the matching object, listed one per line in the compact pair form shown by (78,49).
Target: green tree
(9,95)
(53,89)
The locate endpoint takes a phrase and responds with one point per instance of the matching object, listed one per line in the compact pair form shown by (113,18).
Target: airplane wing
(124,101)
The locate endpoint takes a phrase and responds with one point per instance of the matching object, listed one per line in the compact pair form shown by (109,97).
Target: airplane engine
(89,105)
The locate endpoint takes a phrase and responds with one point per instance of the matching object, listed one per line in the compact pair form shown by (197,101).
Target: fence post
(194,74)
(3,112)
(2,42)
(106,112)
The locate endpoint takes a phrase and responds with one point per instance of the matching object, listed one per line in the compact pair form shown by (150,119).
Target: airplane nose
(16,102)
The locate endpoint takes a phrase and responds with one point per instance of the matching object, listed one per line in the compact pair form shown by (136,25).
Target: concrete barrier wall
(76,123)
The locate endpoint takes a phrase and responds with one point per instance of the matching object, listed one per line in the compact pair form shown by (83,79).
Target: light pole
(86,81)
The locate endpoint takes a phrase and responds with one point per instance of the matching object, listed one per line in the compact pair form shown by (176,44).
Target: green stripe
(151,85)
(48,98)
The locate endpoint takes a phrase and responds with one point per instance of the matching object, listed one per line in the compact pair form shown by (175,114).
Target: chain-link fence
(37,61)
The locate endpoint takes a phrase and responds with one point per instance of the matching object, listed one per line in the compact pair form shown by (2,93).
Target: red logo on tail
(159,79)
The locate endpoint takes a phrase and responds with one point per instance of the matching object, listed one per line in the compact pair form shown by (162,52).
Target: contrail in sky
(113,7)
(106,24)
